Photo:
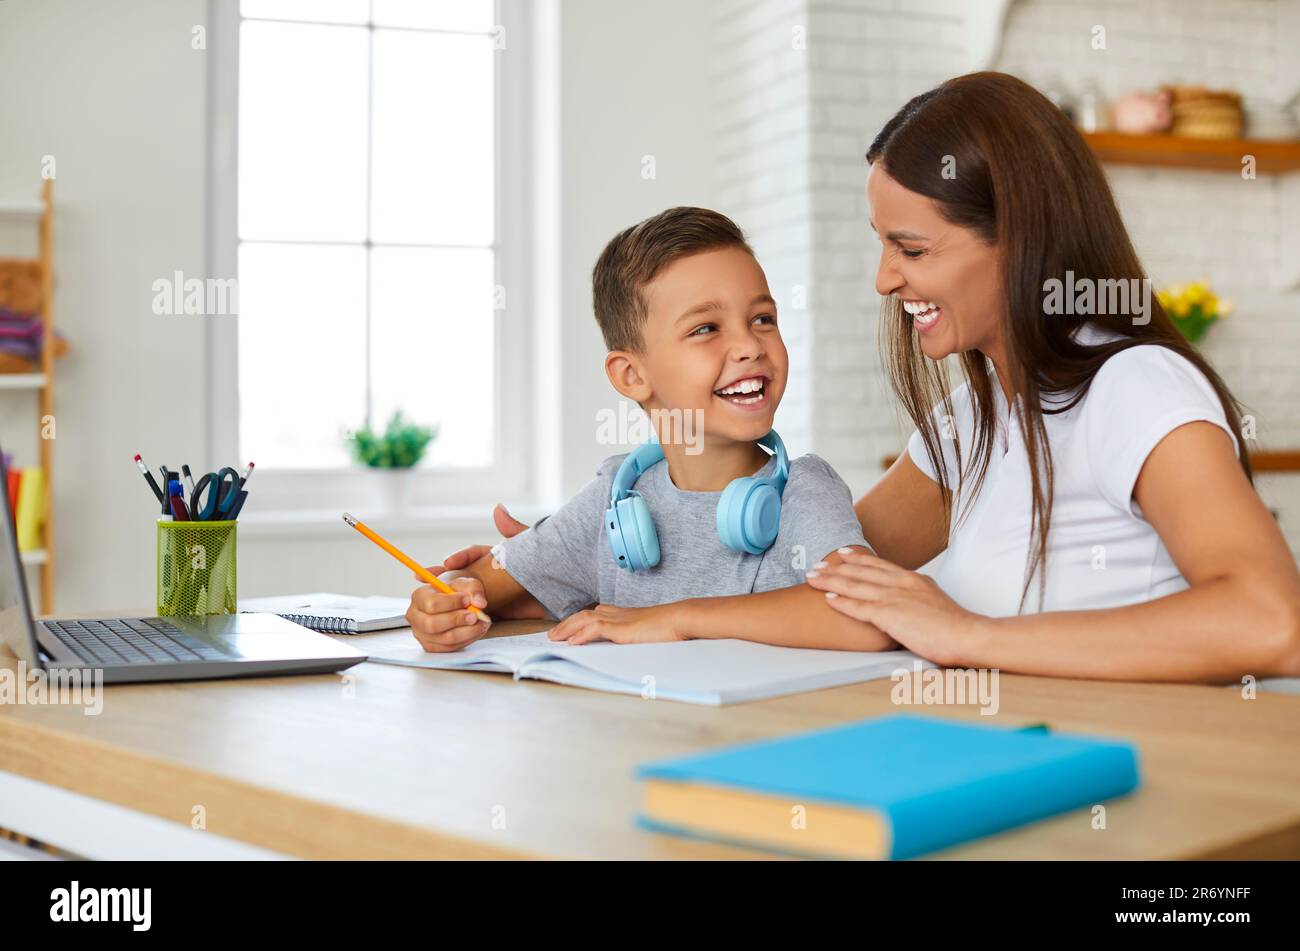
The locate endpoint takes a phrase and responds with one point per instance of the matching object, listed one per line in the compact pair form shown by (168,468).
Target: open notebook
(334,613)
(712,672)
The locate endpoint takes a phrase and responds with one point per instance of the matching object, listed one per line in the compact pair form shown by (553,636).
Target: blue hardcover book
(892,787)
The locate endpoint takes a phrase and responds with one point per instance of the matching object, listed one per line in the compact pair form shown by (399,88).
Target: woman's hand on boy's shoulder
(622,625)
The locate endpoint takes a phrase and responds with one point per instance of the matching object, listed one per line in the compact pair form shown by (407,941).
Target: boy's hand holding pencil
(443,617)
(448,622)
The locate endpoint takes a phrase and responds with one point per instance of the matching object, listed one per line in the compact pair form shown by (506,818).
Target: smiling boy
(691,329)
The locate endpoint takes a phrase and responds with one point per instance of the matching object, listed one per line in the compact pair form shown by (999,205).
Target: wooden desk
(393,762)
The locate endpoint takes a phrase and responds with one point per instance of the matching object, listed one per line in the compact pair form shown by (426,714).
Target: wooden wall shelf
(1173,151)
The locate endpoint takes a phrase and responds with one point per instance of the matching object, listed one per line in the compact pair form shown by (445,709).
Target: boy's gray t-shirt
(564,561)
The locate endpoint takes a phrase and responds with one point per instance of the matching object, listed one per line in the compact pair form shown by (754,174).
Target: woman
(1087,482)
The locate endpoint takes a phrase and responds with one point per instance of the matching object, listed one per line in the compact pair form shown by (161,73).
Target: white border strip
(94,829)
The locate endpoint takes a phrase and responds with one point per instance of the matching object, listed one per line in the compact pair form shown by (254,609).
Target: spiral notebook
(334,613)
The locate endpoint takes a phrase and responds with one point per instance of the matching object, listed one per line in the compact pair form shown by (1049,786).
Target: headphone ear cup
(762,516)
(646,535)
(617,546)
(637,546)
(749,515)
(731,527)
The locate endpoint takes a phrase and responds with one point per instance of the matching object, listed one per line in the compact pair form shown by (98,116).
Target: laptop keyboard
(148,640)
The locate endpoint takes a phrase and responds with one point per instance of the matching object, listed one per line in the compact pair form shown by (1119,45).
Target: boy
(692,335)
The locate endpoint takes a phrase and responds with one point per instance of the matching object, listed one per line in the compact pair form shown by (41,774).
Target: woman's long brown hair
(1021,177)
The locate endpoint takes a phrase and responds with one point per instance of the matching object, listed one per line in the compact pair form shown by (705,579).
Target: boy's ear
(626,376)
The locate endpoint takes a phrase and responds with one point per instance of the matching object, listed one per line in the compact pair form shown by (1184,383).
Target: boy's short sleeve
(1138,397)
(555,560)
(817,517)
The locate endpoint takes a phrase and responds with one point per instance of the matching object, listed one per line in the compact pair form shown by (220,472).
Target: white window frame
(526,188)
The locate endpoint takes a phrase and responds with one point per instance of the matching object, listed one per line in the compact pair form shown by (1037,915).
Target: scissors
(221,495)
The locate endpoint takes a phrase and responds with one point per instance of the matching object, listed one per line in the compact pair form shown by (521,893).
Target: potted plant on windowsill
(391,457)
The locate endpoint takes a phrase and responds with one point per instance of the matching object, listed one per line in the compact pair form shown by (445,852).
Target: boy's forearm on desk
(788,617)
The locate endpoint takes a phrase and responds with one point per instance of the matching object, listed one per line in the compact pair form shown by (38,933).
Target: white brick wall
(866,60)
(761,91)
(800,88)
(793,124)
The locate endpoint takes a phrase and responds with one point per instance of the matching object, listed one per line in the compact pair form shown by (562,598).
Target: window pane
(302,339)
(427,305)
(441,15)
(433,139)
(302,132)
(325,11)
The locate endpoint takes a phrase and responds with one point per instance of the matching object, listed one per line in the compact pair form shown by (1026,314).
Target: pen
(166,498)
(189,479)
(179,510)
(239,504)
(248,471)
(148,477)
(420,571)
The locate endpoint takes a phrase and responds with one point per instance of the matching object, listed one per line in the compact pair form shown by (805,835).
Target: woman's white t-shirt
(1101,552)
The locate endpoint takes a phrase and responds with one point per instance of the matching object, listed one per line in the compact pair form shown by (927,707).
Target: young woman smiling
(1093,461)
(1097,456)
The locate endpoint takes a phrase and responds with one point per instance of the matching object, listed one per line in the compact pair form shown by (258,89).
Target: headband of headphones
(649,453)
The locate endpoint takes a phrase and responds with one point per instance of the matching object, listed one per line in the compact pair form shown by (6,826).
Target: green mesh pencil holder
(196,568)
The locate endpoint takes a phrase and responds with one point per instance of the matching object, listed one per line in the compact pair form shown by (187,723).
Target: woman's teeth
(924,313)
(739,392)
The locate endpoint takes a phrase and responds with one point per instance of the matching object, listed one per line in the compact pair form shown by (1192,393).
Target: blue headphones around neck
(749,512)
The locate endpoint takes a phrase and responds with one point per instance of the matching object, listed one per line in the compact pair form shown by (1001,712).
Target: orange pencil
(420,571)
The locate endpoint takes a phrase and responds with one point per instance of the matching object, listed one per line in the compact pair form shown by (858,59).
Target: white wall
(113,90)
(634,84)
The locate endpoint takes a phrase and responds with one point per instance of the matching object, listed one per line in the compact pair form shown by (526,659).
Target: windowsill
(317,523)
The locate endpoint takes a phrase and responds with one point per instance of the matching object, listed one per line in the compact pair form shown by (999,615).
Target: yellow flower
(1181,307)
(1225,307)
(1196,293)
(1165,299)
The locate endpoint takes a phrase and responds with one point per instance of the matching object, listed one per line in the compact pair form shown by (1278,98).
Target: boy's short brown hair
(633,257)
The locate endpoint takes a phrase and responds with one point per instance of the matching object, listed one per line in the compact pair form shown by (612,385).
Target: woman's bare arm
(902,516)
(1240,614)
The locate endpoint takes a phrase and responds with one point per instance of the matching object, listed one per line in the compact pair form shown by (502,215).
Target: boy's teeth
(743,386)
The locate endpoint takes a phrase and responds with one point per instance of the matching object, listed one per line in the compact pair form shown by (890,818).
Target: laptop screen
(15,612)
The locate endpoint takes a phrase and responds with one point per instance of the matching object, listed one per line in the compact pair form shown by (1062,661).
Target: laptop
(134,649)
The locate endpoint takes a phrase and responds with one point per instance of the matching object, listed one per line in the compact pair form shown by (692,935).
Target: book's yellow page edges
(784,825)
